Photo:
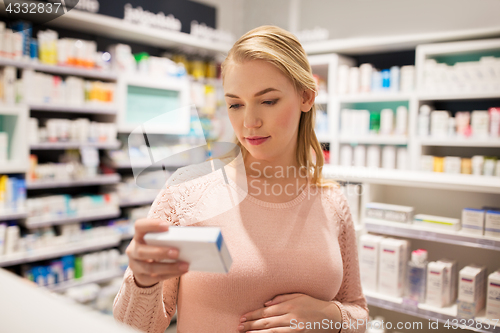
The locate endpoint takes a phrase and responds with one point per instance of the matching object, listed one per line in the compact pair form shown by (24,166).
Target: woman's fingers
(156,269)
(147,252)
(143,226)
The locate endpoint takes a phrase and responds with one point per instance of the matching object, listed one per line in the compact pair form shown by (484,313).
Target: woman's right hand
(143,258)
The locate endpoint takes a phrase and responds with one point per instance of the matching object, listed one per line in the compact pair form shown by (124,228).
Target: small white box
(473,221)
(202,247)
(438,222)
(369,247)
(392,269)
(493,297)
(436,293)
(388,212)
(492,223)
(471,291)
(451,275)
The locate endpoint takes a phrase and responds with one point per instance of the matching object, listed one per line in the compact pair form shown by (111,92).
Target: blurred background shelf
(376,139)
(36,222)
(59,251)
(91,278)
(460,142)
(417,232)
(137,201)
(74,145)
(90,109)
(97,180)
(6,215)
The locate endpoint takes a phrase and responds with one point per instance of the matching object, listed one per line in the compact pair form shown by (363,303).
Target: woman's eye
(234,106)
(270,102)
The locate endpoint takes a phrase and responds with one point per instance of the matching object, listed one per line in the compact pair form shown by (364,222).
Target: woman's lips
(256,142)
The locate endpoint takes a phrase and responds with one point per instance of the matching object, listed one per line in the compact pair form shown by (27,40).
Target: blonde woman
(292,239)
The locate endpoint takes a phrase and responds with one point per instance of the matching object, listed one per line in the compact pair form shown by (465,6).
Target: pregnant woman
(292,239)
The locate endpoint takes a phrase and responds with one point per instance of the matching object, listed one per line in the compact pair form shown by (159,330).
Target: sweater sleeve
(149,309)
(350,298)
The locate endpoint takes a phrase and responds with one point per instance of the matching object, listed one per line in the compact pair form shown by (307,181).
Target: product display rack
(416,232)
(91,278)
(74,145)
(431,193)
(59,251)
(443,315)
(38,222)
(91,109)
(137,201)
(96,180)
(12,215)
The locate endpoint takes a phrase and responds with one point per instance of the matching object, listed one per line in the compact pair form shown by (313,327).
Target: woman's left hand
(292,313)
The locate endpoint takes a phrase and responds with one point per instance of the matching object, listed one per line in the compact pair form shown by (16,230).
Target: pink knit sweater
(306,245)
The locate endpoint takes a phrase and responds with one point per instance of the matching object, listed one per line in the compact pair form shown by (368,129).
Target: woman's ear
(307,100)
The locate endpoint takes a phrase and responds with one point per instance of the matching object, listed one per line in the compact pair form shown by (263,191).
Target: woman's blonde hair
(282,49)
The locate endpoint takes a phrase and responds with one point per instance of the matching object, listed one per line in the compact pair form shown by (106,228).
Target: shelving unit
(137,201)
(59,251)
(74,145)
(6,215)
(443,315)
(91,278)
(90,109)
(460,142)
(38,222)
(417,232)
(376,139)
(97,180)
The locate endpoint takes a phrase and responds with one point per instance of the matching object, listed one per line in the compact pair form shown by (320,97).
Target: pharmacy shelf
(127,236)
(376,139)
(459,182)
(13,167)
(102,25)
(441,236)
(137,201)
(443,315)
(92,278)
(97,180)
(128,165)
(74,145)
(12,110)
(61,70)
(376,97)
(37,222)
(90,109)
(59,251)
(6,215)
(460,142)
(364,45)
(458,96)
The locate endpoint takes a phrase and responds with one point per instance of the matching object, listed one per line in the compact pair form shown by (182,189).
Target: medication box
(202,247)
(436,294)
(493,297)
(437,222)
(492,223)
(386,212)
(473,221)
(451,274)
(471,291)
(393,258)
(369,247)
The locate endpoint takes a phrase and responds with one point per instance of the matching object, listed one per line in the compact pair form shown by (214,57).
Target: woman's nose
(251,119)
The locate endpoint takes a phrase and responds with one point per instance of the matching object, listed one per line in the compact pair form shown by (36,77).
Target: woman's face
(264,109)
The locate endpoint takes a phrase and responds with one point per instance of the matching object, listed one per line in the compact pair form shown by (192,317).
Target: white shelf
(128,165)
(375,97)
(37,222)
(61,70)
(460,142)
(126,31)
(74,145)
(98,180)
(6,215)
(11,110)
(424,311)
(137,201)
(59,251)
(458,96)
(376,139)
(91,109)
(13,167)
(468,183)
(442,236)
(86,279)
(393,43)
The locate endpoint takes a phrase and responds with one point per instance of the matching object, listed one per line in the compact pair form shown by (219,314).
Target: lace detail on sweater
(349,299)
